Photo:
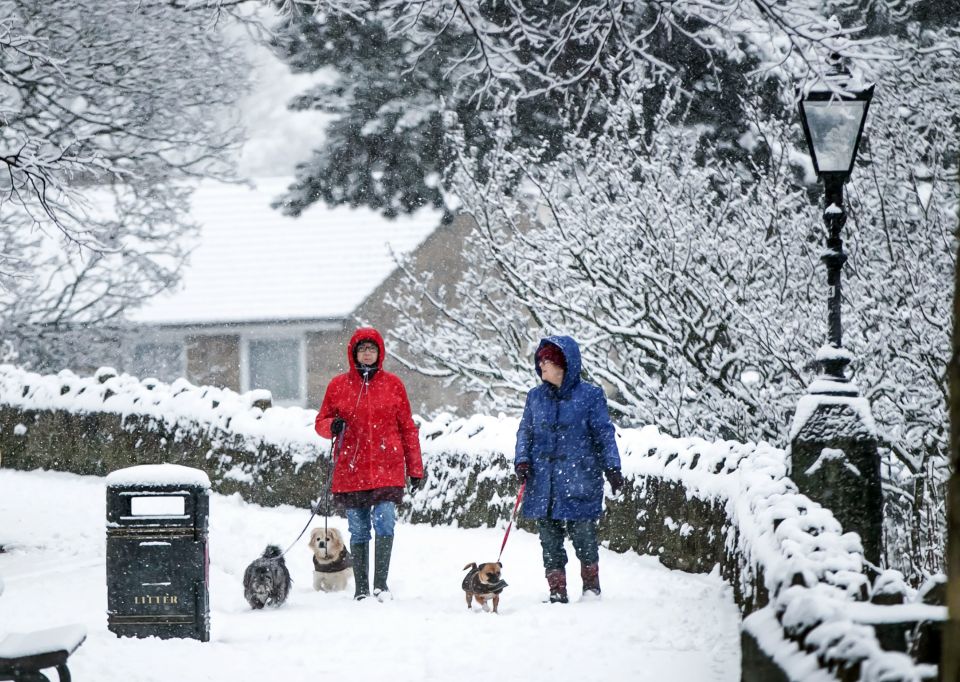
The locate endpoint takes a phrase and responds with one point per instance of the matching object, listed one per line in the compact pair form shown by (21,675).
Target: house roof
(254,264)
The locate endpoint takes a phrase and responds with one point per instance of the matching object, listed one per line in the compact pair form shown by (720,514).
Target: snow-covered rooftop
(254,264)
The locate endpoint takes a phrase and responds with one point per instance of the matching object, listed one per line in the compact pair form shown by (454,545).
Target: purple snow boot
(557,580)
(590,574)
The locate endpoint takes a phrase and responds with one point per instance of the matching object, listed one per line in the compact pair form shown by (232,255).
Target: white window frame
(247,337)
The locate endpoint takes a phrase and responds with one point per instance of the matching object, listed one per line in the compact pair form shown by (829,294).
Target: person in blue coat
(565,446)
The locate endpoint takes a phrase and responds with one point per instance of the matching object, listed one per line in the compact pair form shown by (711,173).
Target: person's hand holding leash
(337,426)
(523,471)
(615,479)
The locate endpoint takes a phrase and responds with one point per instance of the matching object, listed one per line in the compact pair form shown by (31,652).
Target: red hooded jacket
(381,444)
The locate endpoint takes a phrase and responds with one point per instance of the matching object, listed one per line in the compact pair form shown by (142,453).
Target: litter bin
(157,555)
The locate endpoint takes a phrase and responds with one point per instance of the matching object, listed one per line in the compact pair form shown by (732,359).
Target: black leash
(312,514)
(334,455)
(334,452)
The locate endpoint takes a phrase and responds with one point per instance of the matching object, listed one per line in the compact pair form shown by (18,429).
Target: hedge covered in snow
(695,504)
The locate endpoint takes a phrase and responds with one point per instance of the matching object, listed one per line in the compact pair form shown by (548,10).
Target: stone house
(269,302)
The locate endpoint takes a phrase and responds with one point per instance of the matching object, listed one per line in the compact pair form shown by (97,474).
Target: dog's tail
(472,565)
(272,552)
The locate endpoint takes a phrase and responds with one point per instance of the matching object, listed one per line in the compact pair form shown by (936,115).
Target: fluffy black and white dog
(267,580)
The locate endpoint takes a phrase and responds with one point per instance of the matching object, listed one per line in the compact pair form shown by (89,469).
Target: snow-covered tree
(904,254)
(696,288)
(385,147)
(542,69)
(649,258)
(108,111)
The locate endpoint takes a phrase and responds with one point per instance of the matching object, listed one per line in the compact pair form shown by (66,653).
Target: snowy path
(653,623)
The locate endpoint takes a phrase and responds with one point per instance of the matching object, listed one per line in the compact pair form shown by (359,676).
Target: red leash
(512,517)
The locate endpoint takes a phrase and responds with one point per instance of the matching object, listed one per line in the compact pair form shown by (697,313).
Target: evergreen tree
(396,93)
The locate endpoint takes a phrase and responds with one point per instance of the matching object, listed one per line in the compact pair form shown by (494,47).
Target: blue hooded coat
(567,438)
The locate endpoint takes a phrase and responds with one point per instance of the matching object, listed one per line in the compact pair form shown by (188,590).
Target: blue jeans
(383,515)
(582,533)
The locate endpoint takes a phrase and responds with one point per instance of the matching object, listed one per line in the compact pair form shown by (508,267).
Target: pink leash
(512,517)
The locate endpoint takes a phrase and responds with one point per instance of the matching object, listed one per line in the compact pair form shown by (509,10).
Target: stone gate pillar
(834,459)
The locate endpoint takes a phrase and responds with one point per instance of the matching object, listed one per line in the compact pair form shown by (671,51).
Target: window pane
(163,361)
(834,127)
(275,366)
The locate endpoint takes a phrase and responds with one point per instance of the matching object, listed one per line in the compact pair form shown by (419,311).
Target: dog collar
(341,562)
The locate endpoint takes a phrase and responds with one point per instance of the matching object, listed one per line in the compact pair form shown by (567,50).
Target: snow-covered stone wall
(799,579)
(99,424)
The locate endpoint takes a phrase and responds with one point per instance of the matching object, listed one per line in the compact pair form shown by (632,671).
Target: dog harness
(340,563)
(472,583)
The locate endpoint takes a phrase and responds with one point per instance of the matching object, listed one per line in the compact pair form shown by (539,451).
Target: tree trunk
(950,669)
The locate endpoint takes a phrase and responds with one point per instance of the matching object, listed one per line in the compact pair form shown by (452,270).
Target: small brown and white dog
(332,563)
(483,583)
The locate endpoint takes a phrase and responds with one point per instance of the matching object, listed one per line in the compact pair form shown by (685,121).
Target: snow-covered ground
(652,624)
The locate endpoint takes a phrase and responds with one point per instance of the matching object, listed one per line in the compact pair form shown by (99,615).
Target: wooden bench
(24,655)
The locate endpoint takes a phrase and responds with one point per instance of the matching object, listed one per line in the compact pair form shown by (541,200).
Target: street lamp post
(833,448)
(833,112)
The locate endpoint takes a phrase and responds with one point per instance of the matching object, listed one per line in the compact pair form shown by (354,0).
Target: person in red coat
(367,409)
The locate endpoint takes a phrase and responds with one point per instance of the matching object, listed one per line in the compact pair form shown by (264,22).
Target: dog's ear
(499,564)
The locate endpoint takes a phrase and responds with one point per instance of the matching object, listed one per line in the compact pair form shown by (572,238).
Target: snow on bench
(24,655)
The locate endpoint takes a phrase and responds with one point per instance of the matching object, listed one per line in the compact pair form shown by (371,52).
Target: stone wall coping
(874,614)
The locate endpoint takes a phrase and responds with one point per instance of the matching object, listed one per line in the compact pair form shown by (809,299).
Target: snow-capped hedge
(696,504)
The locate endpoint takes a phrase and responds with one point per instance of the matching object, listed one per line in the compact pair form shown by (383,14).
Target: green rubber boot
(361,570)
(383,547)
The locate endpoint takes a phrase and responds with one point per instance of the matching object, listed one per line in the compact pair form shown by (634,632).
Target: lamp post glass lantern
(833,112)
(833,131)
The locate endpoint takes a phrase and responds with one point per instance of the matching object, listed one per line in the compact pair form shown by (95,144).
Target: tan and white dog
(332,563)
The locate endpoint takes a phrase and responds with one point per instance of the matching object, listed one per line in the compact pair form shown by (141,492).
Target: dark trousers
(582,533)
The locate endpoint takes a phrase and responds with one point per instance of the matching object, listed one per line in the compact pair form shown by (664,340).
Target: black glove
(415,484)
(615,479)
(337,426)
(523,471)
